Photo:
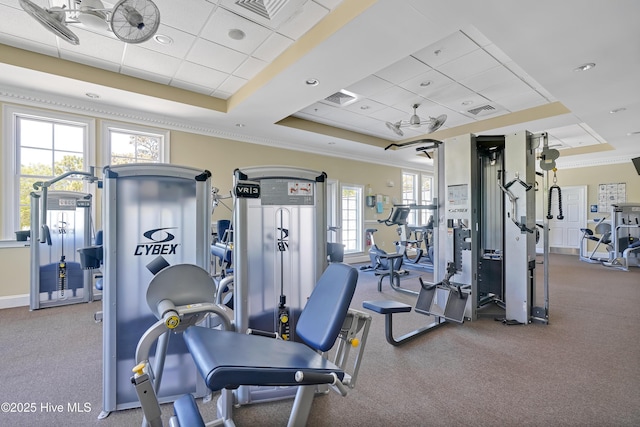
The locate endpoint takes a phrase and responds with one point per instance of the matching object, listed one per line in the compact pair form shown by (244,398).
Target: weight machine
(625,236)
(60,225)
(484,234)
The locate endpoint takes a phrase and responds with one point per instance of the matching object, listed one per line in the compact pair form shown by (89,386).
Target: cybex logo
(160,246)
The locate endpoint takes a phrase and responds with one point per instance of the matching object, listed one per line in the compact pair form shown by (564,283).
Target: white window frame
(359,219)
(418,217)
(107,126)
(11,157)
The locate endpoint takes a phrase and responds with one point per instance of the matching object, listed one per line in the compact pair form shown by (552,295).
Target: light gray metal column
(520,251)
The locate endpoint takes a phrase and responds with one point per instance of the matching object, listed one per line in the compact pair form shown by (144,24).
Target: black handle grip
(315,377)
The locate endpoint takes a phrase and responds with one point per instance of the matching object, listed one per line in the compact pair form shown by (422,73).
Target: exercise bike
(389,264)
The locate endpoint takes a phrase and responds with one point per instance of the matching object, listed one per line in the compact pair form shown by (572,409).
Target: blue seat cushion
(187,412)
(228,359)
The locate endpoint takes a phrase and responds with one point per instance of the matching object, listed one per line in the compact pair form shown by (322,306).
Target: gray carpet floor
(583,369)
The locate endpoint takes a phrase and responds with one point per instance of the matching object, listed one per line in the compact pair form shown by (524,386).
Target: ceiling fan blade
(436,123)
(395,127)
(52,20)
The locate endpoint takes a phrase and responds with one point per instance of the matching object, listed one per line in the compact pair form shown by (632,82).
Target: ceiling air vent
(268,9)
(341,98)
(482,110)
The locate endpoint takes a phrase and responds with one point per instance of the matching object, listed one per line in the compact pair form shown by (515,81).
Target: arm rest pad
(227,359)
(386,306)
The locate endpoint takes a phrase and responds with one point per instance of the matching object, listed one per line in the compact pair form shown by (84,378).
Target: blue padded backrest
(99,238)
(321,319)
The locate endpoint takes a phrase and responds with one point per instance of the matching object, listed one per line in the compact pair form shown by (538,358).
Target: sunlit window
(135,144)
(44,146)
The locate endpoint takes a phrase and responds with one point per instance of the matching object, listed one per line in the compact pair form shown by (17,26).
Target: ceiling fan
(132,21)
(433,123)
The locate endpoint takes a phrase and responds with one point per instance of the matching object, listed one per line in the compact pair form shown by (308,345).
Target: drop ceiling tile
(369,86)
(403,70)
(452,47)
(574,136)
(365,106)
(426,83)
(272,47)
(511,87)
(318,109)
(521,101)
(453,95)
(182,42)
(215,56)
(231,85)
(249,68)
(394,95)
(200,75)
(302,22)
(189,18)
(222,21)
(493,77)
(94,45)
(469,65)
(16,22)
(389,114)
(150,61)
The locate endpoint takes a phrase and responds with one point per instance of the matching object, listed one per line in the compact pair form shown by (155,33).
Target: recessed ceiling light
(312,82)
(365,107)
(240,125)
(162,39)
(617,110)
(236,34)
(585,67)
(92,95)
(466,103)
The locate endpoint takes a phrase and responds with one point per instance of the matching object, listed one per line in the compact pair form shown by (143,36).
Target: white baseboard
(14,301)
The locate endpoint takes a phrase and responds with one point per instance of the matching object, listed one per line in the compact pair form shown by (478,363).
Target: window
(134,144)
(40,146)
(411,183)
(410,194)
(351,227)
(426,197)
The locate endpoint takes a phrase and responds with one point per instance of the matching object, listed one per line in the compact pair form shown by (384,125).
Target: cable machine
(279,252)
(60,225)
(484,234)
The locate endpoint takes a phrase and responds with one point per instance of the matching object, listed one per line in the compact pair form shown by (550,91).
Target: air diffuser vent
(268,9)
(483,109)
(341,98)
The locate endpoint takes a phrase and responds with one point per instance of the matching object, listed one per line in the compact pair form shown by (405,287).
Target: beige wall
(221,157)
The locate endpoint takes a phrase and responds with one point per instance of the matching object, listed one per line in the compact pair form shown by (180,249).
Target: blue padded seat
(227,359)
(187,412)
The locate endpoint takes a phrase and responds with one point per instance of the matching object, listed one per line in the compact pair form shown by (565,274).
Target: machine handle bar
(321,378)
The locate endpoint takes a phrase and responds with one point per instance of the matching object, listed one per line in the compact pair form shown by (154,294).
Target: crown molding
(87,108)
